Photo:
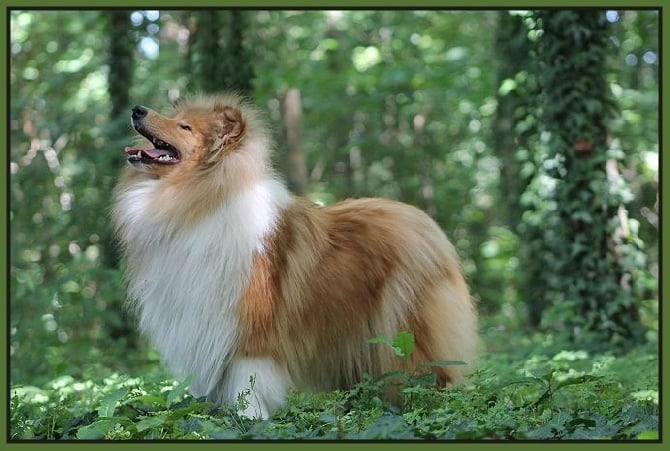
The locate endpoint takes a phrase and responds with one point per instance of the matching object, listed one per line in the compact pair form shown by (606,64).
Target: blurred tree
(296,173)
(121,52)
(514,128)
(595,251)
(62,298)
(515,102)
(121,58)
(219,57)
(204,52)
(236,53)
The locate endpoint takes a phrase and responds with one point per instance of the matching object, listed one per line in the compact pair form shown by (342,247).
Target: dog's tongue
(151,153)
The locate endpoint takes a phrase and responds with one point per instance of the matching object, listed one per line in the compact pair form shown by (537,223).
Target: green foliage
(409,381)
(583,234)
(532,388)
(542,226)
(49,336)
(219,56)
(399,132)
(402,344)
(65,306)
(515,116)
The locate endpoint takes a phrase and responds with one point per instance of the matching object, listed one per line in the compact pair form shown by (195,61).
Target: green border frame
(319,4)
(332,4)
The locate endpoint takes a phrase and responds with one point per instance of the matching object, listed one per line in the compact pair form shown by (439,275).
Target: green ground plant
(533,389)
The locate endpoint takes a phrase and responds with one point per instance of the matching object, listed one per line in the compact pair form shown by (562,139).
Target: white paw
(257,386)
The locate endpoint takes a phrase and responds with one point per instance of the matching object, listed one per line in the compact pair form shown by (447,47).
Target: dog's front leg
(257,386)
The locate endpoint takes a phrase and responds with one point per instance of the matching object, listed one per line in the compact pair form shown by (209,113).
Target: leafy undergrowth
(549,393)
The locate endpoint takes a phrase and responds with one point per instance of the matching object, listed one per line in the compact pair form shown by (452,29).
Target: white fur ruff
(186,284)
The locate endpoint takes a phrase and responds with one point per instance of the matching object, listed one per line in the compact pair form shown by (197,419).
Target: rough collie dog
(236,281)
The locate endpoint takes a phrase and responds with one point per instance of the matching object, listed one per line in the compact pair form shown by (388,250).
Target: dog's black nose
(139,112)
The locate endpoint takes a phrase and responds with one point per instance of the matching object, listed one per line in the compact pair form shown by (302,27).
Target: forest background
(532,138)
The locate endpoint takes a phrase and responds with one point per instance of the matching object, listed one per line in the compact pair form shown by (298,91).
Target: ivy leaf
(149,403)
(387,427)
(99,429)
(195,407)
(581,422)
(95,431)
(108,404)
(177,393)
(150,422)
(576,381)
(508,85)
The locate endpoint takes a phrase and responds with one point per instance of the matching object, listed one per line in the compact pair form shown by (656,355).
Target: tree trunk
(427,186)
(592,257)
(121,69)
(514,102)
(204,53)
(237,56)
(297,164)
(121,66)
(218,55)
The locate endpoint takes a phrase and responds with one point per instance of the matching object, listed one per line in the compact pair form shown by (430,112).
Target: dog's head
(197,135)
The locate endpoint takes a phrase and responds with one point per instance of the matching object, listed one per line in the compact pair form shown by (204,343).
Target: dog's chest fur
(186,283)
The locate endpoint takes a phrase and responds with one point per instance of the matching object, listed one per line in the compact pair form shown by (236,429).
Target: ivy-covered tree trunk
(515,123)
(219,57)
(594,249)
(514,102)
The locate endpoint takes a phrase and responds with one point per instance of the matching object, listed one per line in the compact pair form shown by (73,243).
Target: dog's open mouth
(162,153)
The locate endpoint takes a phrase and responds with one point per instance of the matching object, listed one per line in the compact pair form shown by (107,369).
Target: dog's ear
(178,102)
(231,126)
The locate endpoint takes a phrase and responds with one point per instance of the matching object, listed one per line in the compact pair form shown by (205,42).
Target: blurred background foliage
(446,110)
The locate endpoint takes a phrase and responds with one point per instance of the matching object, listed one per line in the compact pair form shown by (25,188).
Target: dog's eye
(185,127)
